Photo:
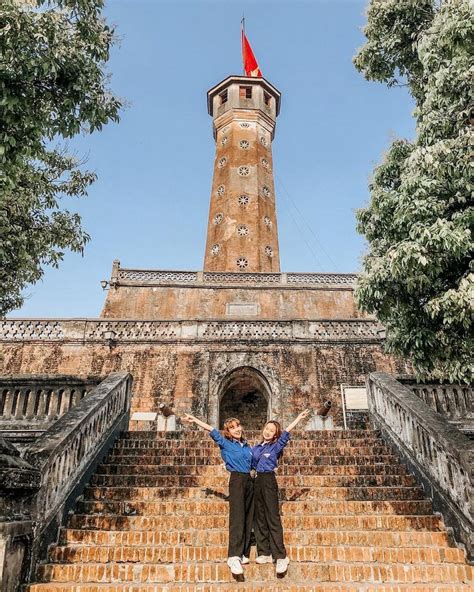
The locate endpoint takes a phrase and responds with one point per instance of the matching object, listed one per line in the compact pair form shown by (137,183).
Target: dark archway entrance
(245,394)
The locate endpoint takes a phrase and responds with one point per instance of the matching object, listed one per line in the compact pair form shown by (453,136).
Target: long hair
(278,429)
(232,422)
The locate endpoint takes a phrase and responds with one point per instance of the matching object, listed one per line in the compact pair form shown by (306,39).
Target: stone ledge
(125,330)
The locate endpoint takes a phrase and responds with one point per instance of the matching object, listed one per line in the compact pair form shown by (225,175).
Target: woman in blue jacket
(267,524)
(237,455)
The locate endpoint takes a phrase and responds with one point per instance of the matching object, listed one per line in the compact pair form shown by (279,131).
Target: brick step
(211,455)
(208,537)
(343,446)
(209,508)
(291,455)
(284,469)
(217,469)
(358,493)
(277,585)
(327,521)
(291,451)
(197,434)
(219,572)
(284,481)
(181,553)
(208,444)
(322,461)
(205,507)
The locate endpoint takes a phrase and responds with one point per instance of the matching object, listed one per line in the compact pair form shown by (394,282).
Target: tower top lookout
(243,93)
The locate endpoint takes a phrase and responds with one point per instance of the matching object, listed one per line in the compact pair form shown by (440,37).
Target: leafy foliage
(418,274)
(52,86)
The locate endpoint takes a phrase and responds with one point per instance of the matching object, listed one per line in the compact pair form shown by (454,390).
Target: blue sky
(149,206)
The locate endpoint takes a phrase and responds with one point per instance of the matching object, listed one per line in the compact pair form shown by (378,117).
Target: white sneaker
(282,565)
(264,559)
(235,566)
(244,560)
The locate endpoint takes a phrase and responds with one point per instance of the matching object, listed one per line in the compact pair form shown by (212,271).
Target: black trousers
(267,523)
(240,514)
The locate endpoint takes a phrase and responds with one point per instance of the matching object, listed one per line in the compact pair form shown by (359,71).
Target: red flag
(250,63)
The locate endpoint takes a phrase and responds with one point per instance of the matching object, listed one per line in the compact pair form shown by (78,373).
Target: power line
(319,243)
(310,248)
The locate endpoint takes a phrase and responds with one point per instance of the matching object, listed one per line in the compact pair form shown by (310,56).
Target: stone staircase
(154,518)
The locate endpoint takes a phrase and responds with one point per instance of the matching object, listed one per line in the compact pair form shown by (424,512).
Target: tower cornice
(244,80)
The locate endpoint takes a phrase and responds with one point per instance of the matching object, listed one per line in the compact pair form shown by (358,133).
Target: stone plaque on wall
(244,309)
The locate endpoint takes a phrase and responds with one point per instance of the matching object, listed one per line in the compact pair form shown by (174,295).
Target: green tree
(418,273)
(53,85)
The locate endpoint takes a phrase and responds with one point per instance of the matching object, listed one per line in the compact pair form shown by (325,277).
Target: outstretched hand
(304,414)
(188,418)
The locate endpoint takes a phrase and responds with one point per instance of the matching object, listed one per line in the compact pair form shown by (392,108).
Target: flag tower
(242,231)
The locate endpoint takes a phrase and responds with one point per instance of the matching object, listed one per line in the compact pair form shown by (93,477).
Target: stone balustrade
(146,277)
(30,404)
(440,455)
(65,455)
(453,401)
(111,331)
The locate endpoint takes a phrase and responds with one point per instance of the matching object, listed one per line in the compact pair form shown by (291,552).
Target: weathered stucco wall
(189,376)
(205,302)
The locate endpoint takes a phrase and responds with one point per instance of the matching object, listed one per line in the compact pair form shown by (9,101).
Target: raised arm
(188,418)
(303,415)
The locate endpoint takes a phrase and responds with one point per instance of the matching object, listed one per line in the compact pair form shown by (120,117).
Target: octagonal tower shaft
(242,231)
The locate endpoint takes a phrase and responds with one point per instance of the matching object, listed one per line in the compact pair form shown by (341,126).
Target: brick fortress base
(254,345)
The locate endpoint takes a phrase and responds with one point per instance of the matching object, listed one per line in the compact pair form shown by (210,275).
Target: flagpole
(242,35)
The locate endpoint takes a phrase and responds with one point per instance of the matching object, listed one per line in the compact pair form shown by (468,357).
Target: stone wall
(205,302)
(188,295)
(190,375)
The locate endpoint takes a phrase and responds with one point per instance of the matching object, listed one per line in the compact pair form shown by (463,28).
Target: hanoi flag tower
(242,230)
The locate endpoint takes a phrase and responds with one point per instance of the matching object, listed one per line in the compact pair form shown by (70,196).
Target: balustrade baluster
(31,405)
(17,410)
(42,404)
(10,400)
(75,397)
(63,403)
(461,396)
(3,400)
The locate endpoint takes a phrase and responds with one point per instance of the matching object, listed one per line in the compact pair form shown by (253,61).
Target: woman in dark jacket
(267,523)
(237,455)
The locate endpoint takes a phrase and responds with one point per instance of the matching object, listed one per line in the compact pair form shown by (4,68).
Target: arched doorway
(245,394)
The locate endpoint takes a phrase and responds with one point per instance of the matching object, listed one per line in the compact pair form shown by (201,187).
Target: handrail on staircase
(66,455)
(439,455)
